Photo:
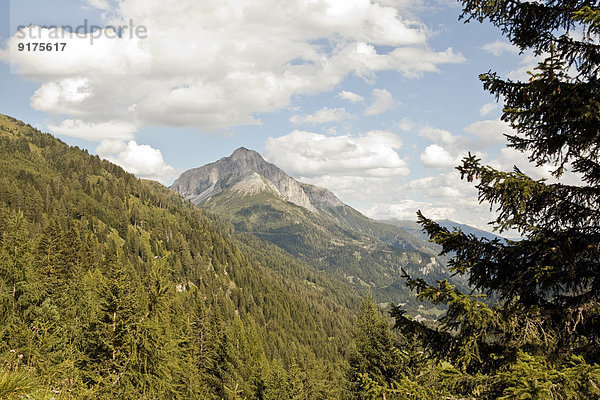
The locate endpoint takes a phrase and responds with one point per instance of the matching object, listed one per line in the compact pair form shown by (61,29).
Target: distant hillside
(312,224)
(116,287)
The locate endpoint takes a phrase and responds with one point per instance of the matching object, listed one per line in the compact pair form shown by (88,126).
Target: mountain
(116,287)
(312,224)
(247,173)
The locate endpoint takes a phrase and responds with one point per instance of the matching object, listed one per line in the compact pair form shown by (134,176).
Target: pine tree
(548,283)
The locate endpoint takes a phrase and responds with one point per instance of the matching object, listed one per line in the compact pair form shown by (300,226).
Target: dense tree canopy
(115,287)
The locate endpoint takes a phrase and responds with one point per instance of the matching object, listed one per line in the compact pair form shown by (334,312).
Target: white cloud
(436,156)
(490,131)
(141,160)
(111,130)
(476,215)
(62,96)
(438,196)
(355,188)
(322,116)
(246,58)
(487,109)
(363,169)
(382,102)
(439,135)
(443,196)
(445,187)
(407,210)
(350,96)
(308,154)
(355,168)
(498,48)
(412,62)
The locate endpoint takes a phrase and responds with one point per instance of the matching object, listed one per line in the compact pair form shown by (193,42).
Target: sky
(376,100)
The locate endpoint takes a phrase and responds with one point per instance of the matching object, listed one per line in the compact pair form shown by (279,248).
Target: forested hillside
(115,287)
(112,287)
(312,224)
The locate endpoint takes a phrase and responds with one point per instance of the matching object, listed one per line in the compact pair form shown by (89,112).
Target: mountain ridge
(199,185)
(311,223)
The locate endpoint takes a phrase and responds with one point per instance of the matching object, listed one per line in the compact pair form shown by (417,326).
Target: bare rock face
(246,172)
(321,197)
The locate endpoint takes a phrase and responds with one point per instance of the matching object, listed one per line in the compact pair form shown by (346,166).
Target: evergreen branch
(532,205)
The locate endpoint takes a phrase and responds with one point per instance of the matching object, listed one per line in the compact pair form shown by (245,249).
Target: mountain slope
(115,287)
(311,223)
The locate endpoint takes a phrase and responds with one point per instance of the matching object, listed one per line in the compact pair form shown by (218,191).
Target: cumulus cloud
(407,210)
(355,168)
(436,156)
(447,191)
(322,116)
(439,196)
(308,154)
(350,96)
(141,160)
(246,59)
(447,149)
(509,157)
(446,186)
(361,168)
(65,95)
(490,131)
(439,135)
(382,102)
(356,190)
(111,130)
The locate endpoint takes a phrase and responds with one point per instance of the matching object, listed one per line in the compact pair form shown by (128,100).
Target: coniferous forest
(113,287)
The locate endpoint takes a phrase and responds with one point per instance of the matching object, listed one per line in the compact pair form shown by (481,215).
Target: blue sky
(376,101)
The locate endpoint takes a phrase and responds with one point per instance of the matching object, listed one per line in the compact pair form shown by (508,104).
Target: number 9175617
(36,46)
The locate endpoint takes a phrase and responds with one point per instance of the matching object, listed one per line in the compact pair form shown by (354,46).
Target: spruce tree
(375,353)
(547,285)
(15,256)
(112,340)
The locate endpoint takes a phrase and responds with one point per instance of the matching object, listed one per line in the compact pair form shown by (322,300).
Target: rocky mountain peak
(243,152)
(240,172)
